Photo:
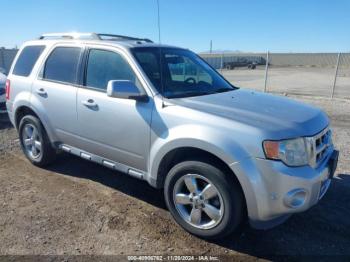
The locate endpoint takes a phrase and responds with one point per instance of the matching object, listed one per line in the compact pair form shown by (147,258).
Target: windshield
(183,72)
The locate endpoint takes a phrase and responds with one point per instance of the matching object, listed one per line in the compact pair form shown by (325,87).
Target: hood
(279,117)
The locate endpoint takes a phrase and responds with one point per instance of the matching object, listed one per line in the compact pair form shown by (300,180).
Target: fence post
(221,62)
(335,75)
(266,69)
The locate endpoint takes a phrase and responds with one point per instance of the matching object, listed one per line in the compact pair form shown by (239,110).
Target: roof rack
(93,36)
(122,37)
(71,35)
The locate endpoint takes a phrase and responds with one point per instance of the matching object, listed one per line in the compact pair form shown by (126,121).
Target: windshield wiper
(188,94)
(224,89)
(201,93)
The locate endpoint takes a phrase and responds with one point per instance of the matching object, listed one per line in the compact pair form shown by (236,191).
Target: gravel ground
(76,207)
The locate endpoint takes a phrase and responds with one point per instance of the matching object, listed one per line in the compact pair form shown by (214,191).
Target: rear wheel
(35,142)
(203,200)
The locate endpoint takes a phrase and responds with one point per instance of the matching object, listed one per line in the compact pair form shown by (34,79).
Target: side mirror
(125,89)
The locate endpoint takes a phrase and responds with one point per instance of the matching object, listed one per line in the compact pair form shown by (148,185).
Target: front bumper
(274,191)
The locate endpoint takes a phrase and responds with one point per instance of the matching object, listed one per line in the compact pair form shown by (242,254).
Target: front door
(114,128)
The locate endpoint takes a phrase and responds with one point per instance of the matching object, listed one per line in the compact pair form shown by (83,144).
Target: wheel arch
(24,110)
(180,154)
(184,153)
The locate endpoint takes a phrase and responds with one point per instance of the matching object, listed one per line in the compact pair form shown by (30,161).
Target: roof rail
(112,37)
(92,36)
(71,35)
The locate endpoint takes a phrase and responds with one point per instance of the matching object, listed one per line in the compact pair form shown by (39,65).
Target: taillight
(7,88)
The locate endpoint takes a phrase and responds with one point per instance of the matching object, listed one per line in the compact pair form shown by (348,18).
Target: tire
(229,201)
(34,141)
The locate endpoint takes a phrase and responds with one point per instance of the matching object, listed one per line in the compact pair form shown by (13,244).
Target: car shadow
(322,230)
(71,165)
(5,121)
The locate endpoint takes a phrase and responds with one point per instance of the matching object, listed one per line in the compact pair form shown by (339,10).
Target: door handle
(41,91)
(89,103)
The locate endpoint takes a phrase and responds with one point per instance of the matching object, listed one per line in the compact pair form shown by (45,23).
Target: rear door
(114,128)
(55,91)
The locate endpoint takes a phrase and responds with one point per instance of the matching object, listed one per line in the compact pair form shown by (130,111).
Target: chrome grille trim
(318,146)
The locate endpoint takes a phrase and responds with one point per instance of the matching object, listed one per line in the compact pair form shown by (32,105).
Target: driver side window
(103,66)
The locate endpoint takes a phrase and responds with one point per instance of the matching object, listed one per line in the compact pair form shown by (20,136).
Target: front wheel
(204,200)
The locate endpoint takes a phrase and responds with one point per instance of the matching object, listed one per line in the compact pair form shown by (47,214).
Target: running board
(102,161)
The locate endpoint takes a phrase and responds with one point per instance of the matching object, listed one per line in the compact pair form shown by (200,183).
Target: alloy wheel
(32,141)
(198,201)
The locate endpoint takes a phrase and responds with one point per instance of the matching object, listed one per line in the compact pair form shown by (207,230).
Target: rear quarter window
(27,60)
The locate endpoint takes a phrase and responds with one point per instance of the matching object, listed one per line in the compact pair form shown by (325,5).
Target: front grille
(320,144)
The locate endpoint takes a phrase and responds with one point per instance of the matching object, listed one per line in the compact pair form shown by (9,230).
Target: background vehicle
(162,114)
(249,62)
(2,90)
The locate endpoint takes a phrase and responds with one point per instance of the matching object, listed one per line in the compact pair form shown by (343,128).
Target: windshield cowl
(192,94)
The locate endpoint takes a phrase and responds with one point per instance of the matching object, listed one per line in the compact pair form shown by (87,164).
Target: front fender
(214,141)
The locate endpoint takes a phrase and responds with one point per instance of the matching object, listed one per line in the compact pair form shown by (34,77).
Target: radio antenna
(158,23)
(160,57)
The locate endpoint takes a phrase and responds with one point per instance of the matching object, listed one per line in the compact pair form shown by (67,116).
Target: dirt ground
(76,207)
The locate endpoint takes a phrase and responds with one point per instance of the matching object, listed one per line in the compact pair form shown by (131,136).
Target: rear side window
(62,64)
(27,60)
(103,66)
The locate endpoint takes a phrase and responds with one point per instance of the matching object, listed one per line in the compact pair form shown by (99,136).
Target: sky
(245,25)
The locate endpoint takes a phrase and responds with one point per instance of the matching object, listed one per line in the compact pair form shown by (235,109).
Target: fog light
(295,198)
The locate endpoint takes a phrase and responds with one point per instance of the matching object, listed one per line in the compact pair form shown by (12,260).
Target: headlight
(293,152)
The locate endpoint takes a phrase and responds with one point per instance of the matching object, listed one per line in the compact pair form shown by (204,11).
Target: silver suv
(222,154)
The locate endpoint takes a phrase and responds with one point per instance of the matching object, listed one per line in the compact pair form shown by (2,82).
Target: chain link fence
(342,79)
(6,57)
(323,74)
(319,74)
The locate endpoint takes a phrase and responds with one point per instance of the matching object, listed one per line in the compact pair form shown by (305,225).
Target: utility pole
(211,46)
